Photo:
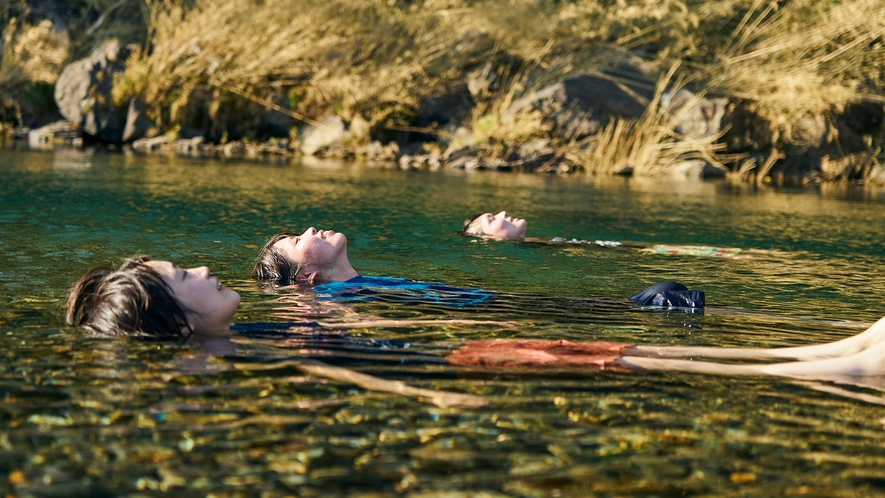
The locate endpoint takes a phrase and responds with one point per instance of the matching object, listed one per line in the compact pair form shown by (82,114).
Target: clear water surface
(93,417)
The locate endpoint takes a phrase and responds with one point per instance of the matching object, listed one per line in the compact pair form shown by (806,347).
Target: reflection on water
(86,416)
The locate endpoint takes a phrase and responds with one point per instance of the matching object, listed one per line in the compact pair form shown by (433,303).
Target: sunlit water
(86,416)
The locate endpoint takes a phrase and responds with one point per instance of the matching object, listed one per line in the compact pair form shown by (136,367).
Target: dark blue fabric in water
(339,348)
(400,290)
(669,295)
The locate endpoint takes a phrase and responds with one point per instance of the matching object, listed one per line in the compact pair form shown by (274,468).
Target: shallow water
(85,416)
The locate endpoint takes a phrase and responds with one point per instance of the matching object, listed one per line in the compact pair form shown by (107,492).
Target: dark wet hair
(273,266)
(132,300)
(468,221)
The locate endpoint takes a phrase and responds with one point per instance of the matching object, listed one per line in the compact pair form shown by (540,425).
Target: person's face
(208,304)
(315,250)
(500,226)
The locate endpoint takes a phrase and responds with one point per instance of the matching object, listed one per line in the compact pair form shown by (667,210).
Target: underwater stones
(83,92)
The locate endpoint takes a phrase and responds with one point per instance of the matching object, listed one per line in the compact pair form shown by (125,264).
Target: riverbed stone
(83,92)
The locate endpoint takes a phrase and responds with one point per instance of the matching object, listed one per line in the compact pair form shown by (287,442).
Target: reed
(649,146)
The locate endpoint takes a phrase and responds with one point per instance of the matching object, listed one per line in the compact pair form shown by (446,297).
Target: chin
(338,239)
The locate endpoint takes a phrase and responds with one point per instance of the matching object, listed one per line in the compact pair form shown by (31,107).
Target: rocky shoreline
(566,117)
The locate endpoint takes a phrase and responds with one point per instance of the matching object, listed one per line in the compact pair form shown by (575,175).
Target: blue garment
(400,290)
(669,295)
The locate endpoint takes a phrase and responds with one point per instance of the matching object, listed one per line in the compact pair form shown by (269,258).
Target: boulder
(276,123)
(453,106)
(83,92)
(376,151)
(137,122)
(151,144)
(697,117)
(330,131)
(578,106)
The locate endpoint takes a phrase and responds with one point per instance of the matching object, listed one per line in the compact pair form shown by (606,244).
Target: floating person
(502,226)
(152,299)
(319,258)
(157,299)
(499,226)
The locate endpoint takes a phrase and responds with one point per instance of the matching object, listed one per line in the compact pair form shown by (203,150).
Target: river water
(88,416)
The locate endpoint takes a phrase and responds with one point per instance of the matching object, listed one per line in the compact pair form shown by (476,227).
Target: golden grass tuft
(31,54)
(648,146)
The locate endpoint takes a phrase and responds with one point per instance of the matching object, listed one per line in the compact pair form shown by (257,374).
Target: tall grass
(379,58)
(649,146)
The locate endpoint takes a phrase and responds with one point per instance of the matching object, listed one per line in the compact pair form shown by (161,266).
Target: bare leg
(705,367)
(870,338)
(866,363)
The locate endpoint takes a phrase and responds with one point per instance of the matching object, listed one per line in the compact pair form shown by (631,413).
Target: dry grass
(31,54)
(379,58)
(648,146)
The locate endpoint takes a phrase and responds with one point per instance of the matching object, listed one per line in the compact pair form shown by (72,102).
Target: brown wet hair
(467,223)
(132,300)
(272,266)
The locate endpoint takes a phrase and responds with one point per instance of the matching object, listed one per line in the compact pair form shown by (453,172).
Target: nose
(310,231)
(200,271)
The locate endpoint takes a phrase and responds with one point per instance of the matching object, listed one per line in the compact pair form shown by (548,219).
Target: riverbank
(782,92)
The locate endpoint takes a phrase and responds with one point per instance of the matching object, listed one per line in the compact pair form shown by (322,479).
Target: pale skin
(323,254)
(856,356)
(211,306)
(499,226)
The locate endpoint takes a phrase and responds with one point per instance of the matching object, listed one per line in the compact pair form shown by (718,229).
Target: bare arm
(442,399)
(366,324)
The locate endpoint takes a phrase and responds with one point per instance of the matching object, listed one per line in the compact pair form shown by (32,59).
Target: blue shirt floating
(363,289)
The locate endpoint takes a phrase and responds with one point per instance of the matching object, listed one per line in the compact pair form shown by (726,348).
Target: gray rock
(375,151)
(578,106)
(482,81)
(188,146)
(702,117)
(454,106)
(275,123)
(457,152)
(534,154)
(137,122)
(44,136)
(328,132)
(464,162)
(694,169)
(150,144)
(83,92)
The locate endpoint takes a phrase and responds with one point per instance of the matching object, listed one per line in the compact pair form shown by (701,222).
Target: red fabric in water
(514,353)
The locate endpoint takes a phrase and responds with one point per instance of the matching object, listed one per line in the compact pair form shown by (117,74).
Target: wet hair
(467,223)
(132,300)
(273,266)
